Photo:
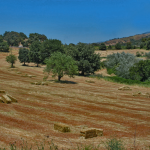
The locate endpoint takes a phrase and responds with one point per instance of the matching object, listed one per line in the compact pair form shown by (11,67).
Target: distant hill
(135,40)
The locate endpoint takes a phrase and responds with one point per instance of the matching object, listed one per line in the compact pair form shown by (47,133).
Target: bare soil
(77,103)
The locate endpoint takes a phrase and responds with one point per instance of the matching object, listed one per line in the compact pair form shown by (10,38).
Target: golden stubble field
(79,104)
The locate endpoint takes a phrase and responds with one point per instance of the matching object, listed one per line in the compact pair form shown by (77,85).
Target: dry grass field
(77,103)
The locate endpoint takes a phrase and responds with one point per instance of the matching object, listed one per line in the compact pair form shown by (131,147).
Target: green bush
(140,71)
(114,144)
(138,54)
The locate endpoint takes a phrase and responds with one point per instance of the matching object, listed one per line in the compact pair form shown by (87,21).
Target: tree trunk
(82,73)
(11,65)
(59,77)
(24,64)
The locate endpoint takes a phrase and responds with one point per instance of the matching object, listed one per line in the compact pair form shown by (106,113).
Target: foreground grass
(110,144)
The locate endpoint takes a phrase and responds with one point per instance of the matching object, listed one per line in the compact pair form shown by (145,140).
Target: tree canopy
(102,46)
(118,46)
(11,59)
(23,55)
(4,47)
(34,53)
(50,46)
(60,64)
(87,60)
(12,38)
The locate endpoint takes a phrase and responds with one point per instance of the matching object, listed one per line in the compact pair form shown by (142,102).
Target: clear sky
(73,21)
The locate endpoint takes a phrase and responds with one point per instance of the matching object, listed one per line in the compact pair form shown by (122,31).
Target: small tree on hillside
(129,45)
(4,47)
(60,64)
(23,55)
(118,46)
(102,46)
(109,47)
(11,59)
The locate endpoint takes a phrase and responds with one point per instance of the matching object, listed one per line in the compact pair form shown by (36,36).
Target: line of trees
(67,57)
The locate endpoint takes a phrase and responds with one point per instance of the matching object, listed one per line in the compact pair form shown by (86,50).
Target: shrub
(140,71)
(120,63)
(118,46)
(114,144)
(102,46)
(109,47)
(138,54)
(147,55)
(148,45)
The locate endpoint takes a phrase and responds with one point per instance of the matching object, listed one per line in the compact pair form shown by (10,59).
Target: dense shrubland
(128,68)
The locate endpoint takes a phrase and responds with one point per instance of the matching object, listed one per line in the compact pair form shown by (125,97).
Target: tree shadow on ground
(63,81)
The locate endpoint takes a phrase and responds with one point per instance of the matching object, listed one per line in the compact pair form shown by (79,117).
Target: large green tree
(12,38)
(60,64)
(11,59)
(50,46)
(4,47)
(23,36)
(1,38)
(87,60)
(36,37)
(23,55)
(34,53)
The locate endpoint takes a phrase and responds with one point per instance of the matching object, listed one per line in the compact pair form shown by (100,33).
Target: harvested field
(78,104)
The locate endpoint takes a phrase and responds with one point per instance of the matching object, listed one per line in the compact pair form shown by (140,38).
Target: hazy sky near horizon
(73,21)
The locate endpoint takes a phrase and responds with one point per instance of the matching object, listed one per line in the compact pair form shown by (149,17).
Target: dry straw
(1,100)
(2,91)
(88,133)
(12,98)
(125,88)
(61,127)
(6,99)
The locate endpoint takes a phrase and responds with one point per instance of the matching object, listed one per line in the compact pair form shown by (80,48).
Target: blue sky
(73,21)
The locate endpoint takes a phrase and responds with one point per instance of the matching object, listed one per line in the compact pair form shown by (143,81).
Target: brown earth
(77,103)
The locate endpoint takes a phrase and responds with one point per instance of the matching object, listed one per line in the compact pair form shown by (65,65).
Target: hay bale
(12,98)
(88,133)
(61,127)
(44,83)
(99,132)
(1,100)
(125,88)
(2,91)
(6,99)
